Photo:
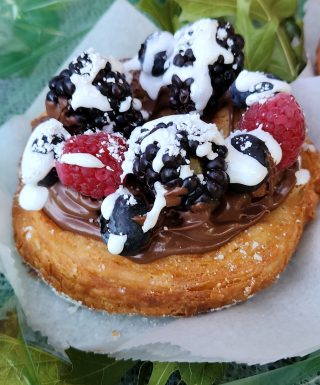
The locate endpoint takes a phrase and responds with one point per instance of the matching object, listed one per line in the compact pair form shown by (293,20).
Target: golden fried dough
(179,285)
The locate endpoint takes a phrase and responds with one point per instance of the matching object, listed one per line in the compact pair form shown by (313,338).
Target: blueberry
(122,222)
(252,146)
(257,149)
(238,98)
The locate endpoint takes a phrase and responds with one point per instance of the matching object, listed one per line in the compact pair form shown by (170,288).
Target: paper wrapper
(282,321)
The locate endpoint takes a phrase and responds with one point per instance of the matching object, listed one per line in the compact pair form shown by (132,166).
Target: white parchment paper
(282,321)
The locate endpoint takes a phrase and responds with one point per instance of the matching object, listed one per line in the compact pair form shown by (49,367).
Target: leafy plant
(272,32)
(29,29)
(25,364)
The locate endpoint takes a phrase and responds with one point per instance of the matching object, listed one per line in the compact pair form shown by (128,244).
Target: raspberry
(283,118)
(93,181)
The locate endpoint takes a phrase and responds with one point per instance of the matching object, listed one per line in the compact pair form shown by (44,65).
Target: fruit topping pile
(93,93)
(198,64)
(96,140)
(182,153)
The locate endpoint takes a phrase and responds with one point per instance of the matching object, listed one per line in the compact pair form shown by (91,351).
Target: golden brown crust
(82,268)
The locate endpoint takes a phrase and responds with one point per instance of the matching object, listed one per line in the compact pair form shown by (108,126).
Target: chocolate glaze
(191,232)
(73,211)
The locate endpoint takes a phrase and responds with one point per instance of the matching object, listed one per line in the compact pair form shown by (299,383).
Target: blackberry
(122,221)
(223,75)
(184,59)
(189,179)
(180,95)
(123,117)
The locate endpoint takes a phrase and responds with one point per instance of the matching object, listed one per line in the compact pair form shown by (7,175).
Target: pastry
(161,194)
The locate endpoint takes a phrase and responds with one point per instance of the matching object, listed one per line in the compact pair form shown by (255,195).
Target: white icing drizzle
(248,81)
(132,64)
(82,160)
(35,166)
(33,197)
(125,104)
(86,94)
(157,42)
(303,176)
(168,142)
(201,38)
(185,171)
(242,168)
(152,216)
(116,243)
(272,145)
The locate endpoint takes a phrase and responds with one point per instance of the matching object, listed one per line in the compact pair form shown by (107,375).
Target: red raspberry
(91,181)
(283,118)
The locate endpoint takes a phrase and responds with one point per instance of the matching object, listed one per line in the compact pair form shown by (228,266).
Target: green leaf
(22,364)
(144,372)
(263,24)
(287,375)
(161,372)
(196,9)
(284,61)
(201,373)
(95,369)
(265,10)
(165,14)
(259,42)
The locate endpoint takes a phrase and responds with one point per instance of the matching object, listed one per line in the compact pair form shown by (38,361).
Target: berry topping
(91,164)
(282,117)
(183,154)
(197,64)
(248,162)
(252,87)
(93,93)
(122,231)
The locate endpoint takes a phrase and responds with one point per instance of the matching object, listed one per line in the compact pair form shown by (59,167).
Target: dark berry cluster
(184,59)
(222,75)
(111,84)
(180,95)
(207,186)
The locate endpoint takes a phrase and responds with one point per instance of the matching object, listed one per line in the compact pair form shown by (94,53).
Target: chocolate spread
(196,231)
(177,232)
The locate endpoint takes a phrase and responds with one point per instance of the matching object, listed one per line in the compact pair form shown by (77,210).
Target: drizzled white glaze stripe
(116,243)
(82,160)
